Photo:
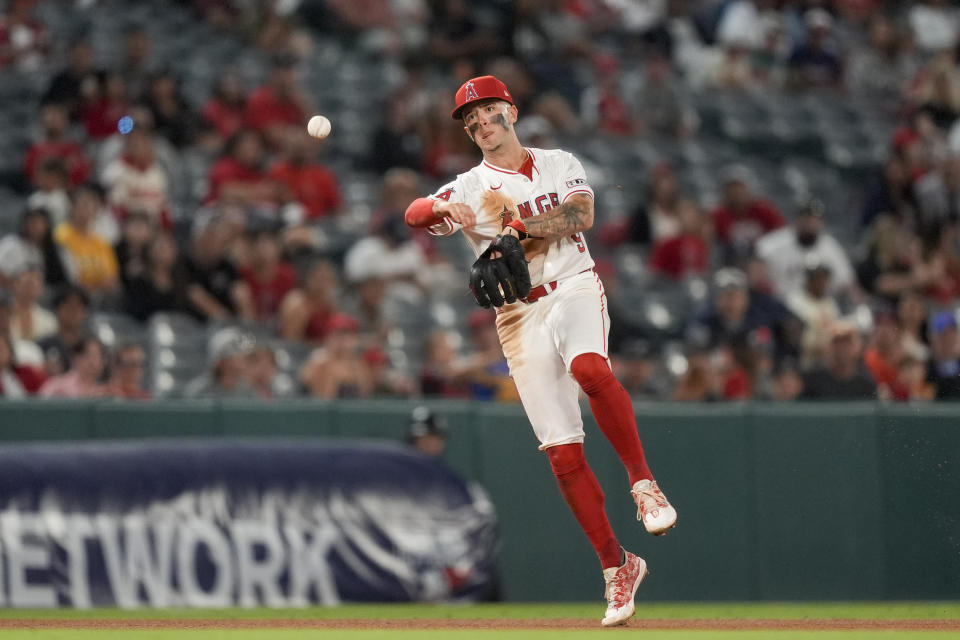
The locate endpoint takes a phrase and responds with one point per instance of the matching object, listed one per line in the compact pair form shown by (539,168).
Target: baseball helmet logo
(480,88)
(471,92)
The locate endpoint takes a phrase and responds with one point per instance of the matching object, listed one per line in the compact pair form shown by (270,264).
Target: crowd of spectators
(785,309)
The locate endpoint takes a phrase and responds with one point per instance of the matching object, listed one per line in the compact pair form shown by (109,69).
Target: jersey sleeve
(573,178)
(451,192)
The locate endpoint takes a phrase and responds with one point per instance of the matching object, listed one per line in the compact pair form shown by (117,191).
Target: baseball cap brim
(458,112)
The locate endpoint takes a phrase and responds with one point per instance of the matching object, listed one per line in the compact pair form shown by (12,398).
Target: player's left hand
(504,278)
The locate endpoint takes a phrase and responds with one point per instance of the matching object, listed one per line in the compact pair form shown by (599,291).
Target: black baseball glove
(506,277)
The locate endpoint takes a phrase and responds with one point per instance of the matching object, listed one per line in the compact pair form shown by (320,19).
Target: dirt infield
(699,624)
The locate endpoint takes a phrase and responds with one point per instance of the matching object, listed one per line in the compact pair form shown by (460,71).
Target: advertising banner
(249,523)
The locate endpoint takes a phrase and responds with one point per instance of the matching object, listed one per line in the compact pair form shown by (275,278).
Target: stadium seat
(114,328)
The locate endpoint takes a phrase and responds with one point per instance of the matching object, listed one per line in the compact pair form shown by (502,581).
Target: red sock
(613,410)
(585,497)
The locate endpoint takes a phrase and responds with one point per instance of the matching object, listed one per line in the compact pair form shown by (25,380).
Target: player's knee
(566,458)
(591,372)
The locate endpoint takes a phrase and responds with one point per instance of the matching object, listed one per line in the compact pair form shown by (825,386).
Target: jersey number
(579,240)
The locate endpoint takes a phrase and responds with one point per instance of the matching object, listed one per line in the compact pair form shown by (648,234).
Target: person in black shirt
(70,306)
(133,249)
(843,377)
(215,289)
(161,286)
(735,311)
(77,82)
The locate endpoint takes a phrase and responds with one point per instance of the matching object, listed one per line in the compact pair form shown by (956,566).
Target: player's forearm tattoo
(567,219)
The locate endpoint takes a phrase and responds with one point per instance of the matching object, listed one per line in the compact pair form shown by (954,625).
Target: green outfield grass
(588,612)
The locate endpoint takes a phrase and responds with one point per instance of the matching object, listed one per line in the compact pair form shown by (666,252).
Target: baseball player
(536,204)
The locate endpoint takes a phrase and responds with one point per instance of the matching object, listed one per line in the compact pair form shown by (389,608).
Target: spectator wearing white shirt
(938,192)
(818,311)
(52,181)
(135,181)
(30,321)
(787,251)
(388,265)
(934,25)
(389,253)
(25,352)
(166,156)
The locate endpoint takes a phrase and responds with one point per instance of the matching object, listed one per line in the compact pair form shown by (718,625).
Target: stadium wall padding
(776,502)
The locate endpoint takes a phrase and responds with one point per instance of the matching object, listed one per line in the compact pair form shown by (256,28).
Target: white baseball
(319,126)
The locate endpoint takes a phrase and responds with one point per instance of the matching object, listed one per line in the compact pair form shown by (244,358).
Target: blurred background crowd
(777,182)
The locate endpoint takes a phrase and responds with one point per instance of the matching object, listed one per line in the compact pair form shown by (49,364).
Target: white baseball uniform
(540,339)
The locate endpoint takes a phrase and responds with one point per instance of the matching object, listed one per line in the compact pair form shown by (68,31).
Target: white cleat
(653,509)
(622,583)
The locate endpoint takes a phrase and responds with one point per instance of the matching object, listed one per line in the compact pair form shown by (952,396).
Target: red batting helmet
(482,88)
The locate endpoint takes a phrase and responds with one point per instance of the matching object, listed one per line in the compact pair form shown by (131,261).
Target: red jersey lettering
(539,202)
(579,240)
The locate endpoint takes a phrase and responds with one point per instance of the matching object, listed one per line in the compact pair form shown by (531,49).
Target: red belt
(538,292)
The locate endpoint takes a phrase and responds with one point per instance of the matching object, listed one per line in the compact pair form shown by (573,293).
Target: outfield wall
(800,501)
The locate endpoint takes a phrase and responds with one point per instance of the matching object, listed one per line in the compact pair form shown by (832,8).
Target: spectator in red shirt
(440,374)
(942,260)
(602,105)
(684,254)
(54,121)
(126,373)
(309,183)
(306,311)
(278,104)
(23,40)
(16,381)
(742,217)
(882,357)
(337,369)
(101,115)
(270,279)
(224,112)
(237,177)
(735,383)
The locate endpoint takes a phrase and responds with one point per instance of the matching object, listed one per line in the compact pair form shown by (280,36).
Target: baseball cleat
(653,508)
(622,583)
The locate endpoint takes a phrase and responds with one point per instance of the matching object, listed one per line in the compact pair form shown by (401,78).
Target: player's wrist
(517,228)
